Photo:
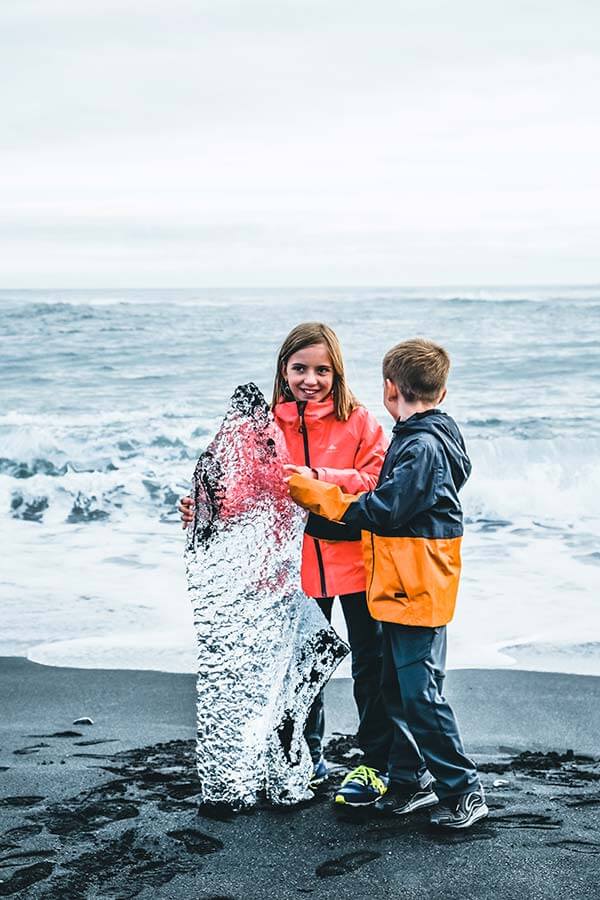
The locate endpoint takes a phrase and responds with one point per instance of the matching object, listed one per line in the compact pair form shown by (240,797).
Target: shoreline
(110,809)
(172,653)
(517,707)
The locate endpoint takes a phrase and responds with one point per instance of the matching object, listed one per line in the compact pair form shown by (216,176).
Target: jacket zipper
(372,565)
(303,429)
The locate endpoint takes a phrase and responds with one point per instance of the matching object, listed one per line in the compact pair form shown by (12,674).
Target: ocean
(109,396)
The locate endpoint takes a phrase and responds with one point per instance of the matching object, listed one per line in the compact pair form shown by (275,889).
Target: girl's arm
(367,461)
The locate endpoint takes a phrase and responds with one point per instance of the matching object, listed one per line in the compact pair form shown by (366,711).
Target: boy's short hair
(418,368)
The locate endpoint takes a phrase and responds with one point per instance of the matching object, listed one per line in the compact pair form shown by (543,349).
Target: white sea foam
(557,481)
(164,651)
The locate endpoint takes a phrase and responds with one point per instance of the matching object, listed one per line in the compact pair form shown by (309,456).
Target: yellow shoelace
(367,776)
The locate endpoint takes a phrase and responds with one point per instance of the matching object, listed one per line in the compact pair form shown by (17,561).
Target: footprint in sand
(20,801)
(584,801)
(195,841)
(87,818)
(122,867)
(576,846)
(11,860)
(466,836)
(343,865)
(22,831)
(526,820)
(60,734)
(32,748)
(25,878)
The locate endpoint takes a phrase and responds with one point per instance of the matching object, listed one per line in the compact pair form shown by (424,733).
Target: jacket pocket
(387,583)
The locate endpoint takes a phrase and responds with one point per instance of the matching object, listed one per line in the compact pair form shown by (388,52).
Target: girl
(330,436)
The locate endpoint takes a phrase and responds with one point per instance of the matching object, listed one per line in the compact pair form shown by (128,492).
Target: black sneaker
(467,810)
(402,799)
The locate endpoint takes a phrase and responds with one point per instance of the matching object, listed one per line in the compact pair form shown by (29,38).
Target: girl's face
(309,373)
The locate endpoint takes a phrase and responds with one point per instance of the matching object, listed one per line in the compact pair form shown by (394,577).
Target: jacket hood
(444,428)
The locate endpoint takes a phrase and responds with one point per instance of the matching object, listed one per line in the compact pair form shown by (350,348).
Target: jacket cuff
(321,498)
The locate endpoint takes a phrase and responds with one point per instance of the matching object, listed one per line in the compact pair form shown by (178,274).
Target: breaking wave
(96,475)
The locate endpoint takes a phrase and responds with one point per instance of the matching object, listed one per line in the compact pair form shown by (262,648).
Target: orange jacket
(412,522)
(349,454)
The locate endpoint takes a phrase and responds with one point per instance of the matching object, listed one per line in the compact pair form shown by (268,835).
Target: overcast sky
(173,143)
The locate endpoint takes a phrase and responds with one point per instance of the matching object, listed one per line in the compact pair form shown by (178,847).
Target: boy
(411,534)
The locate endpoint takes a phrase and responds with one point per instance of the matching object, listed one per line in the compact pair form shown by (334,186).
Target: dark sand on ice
(110,810)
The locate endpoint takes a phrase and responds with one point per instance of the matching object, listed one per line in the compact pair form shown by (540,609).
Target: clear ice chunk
(264,648)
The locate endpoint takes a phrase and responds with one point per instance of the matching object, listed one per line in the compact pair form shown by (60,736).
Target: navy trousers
(374,733)
(426,736)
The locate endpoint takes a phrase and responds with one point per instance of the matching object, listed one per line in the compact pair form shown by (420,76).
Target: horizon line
(314,287)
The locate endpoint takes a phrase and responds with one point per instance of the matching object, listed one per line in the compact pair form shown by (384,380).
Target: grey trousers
(426,736)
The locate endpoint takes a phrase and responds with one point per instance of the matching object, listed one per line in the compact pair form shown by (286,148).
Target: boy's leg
(315,722)
(366,643)
(406,765)
(419,656)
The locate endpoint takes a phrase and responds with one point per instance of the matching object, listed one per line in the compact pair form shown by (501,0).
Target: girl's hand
(305,471)
(186,509)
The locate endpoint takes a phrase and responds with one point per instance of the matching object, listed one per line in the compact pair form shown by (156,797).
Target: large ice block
(264,648)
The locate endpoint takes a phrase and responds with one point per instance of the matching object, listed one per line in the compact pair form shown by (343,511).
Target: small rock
(84,720)
(354,752)
(500,782)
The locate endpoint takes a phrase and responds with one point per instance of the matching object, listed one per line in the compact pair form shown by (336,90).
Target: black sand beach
(109,810)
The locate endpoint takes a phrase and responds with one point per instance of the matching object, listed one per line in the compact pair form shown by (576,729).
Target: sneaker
(320,773)
(402,799)
(467,810)
(362,787)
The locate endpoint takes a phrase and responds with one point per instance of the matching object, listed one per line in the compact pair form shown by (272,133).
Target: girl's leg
(375,730)
(315,723)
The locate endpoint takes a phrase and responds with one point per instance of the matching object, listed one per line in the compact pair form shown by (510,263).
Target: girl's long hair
(305,335)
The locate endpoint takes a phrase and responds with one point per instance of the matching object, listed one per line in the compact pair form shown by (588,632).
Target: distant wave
(34,301)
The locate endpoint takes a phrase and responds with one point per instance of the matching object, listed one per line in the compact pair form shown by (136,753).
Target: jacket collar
(414,420)
(313,410)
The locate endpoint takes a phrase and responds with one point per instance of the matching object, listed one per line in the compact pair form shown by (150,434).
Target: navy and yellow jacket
(411,523)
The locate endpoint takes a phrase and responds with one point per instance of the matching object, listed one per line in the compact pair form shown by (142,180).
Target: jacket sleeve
(368,460)
(319,497)
(409,490)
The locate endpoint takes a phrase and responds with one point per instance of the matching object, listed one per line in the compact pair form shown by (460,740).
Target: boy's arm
(409,490)
(367,462)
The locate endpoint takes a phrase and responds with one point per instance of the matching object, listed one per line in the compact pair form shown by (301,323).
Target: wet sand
(110,810)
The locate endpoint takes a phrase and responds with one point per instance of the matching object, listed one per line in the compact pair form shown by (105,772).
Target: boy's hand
(305,471)
(186,509)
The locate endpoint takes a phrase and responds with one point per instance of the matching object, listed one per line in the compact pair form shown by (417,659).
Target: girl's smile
(309,373)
